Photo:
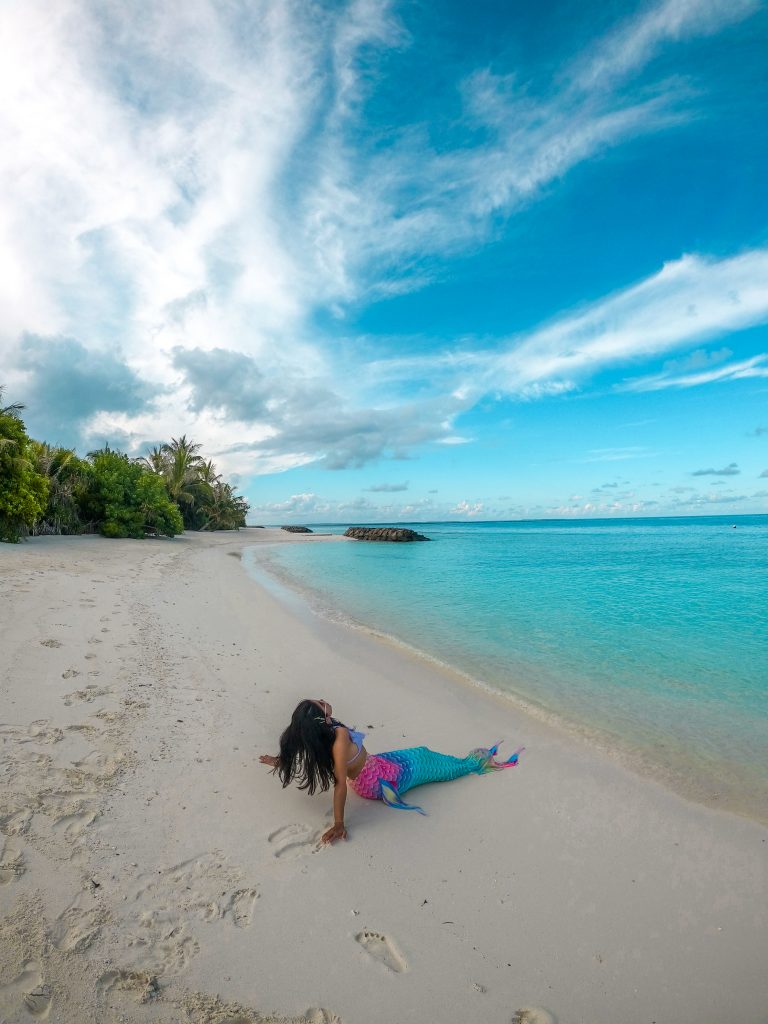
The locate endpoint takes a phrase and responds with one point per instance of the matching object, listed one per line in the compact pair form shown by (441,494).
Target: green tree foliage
(205,500)
(49,490)
(128,500)
(225,510)
(68,481)
(23,491)
(183,474)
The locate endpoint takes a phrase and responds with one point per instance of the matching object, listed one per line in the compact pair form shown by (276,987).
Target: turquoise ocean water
(649,636)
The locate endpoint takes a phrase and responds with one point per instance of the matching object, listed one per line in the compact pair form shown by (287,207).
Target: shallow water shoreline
(713,781)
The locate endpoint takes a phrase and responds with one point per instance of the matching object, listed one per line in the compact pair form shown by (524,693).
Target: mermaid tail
(387,776)
(488,762)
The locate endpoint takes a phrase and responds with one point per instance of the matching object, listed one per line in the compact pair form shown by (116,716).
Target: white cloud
(632,44)
(297,504)
(745,368)
(314,507)
(467,509)
(688,301)
(130,185)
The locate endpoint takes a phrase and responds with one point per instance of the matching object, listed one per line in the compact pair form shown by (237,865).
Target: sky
(385,261)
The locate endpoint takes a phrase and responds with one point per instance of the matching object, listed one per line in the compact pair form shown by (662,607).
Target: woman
(318,751)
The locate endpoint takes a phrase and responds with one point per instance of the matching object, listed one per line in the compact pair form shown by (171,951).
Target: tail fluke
(487,759)
(392,798)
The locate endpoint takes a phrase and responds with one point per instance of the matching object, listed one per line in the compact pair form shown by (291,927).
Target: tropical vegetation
(206,501)
(46,489)
(23,490)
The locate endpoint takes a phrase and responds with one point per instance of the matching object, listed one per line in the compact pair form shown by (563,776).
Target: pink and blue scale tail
(387,776)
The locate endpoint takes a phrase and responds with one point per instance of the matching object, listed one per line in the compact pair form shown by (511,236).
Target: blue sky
(396,261)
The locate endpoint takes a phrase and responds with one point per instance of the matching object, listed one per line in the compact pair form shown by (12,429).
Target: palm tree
(156,460)
(9,442)
(187,479)
(183,468)
(100,451)
(208,473)
(206,502)
(226,510)
(10,410)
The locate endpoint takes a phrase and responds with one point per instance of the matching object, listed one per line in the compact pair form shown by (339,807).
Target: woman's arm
(341,747)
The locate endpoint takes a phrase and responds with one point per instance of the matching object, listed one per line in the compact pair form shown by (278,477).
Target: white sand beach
(152,870)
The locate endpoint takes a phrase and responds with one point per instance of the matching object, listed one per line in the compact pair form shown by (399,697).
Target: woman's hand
(337,831)
(270,759)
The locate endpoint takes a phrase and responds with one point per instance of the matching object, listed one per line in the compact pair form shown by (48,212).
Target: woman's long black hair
(306,749)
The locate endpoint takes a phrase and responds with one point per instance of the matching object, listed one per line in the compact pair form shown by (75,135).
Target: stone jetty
(391,533)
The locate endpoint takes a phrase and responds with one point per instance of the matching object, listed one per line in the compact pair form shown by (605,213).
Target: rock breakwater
(389,533)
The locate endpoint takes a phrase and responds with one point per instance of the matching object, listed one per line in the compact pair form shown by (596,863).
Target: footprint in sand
(161,923)
(84,728)
(73,824)
(28,990)
(162,914)
(206,1009)
(141,986)
(293,841)
(109,716)
(70,673)
(38,1001)
(383,949)
(165,950)
(51,643)
(11,864)
(99,765)
(87,694)
(43,730)
(75,929)
(532,1015)
(239,907)
(17,822)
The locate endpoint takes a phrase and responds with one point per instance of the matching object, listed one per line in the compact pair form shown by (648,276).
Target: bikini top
(357,738)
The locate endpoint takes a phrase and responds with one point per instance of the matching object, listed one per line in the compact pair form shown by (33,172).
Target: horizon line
(469,522)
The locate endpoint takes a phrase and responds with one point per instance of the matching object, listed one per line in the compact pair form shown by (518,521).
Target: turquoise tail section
(395,772)
(419,765)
